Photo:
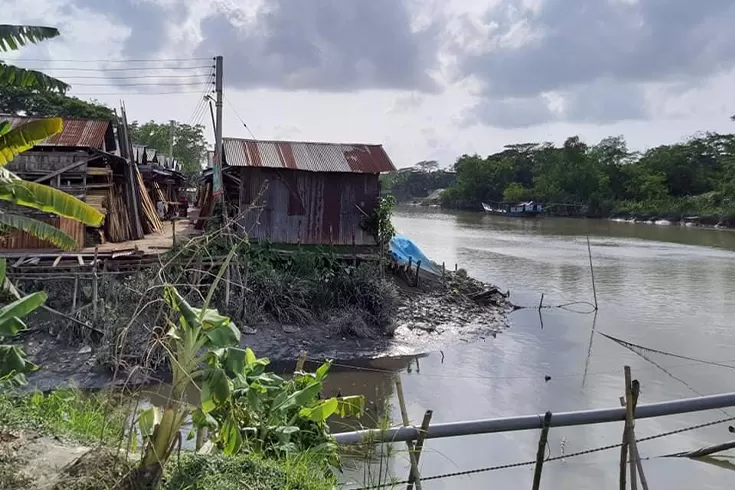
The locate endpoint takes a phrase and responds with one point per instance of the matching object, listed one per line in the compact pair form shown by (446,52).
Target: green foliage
(33,102)
(15,141)
(248,409)
(379,224)
(197,472)
(13,362)
(13,37)
(190,145)
(600,178)
(415,182)
(84,417)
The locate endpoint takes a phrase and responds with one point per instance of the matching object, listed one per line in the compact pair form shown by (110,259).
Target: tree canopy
(417,181)
(190,145)
(28,101)
(696,176)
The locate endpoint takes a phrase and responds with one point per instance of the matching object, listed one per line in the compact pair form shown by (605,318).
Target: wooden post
(414,472)
(455,268)
(541,303)
(629,424)
(418,269)
(300,362)
(173,233)
(410,263)
(634,454)
(444,271)
(354,249)
(420,443)
(74,297)
(94,284)
(541,451)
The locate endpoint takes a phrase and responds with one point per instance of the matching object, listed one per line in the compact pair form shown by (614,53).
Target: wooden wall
(317,208)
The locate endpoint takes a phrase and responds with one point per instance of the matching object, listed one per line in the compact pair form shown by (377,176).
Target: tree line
(694,177)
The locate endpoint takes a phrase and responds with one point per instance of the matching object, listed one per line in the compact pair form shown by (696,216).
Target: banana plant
(245,407)
(196,332)
(14,364)
(13,37)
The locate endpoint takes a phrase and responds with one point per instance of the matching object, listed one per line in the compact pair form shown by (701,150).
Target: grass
(197,472)
(81,417)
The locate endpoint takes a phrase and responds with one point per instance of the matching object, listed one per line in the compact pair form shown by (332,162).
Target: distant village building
(303,192)
(86,161)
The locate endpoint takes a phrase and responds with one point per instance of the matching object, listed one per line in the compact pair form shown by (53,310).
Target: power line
(148,60)
(238,116)
(134,68)
(137,77)
(126,94)
(142,84)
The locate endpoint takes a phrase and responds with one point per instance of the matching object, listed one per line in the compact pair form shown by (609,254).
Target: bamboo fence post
(635,391)
(592,271)
(94,284)
(629,424)
(541,303)
(541,451)
(173,232)
(420,443)
(418,270)
(300,362)
(74,296)
(411,451)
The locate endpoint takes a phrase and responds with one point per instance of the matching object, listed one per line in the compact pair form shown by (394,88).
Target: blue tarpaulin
(401,248)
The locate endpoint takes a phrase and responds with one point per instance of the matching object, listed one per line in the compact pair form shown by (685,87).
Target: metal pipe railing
(528,422)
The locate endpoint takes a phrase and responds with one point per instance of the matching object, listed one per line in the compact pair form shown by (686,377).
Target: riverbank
(308,301)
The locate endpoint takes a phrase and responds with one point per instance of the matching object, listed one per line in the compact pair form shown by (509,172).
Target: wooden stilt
(541,451)
(420,443)
(414,472)
(629,425)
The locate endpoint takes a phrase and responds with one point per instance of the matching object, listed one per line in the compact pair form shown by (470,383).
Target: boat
(528,209)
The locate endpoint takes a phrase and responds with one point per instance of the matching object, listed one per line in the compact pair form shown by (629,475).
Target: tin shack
(307,193)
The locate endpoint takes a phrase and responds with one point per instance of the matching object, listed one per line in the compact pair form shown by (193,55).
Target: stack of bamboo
(151,223)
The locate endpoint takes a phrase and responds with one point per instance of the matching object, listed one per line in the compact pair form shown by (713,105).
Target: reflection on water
(669,288)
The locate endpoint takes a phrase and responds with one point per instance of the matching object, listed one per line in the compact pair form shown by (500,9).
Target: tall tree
(32,102)
(190,146)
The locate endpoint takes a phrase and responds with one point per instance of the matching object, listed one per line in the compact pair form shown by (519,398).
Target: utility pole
(217,174)
(171,129)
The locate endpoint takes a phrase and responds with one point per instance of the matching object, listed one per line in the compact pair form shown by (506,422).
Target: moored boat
(528,209)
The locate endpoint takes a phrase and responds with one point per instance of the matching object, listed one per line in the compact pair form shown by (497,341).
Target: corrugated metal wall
(308,207)
(20,240)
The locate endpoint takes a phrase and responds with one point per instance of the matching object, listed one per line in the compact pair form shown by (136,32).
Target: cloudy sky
(429,79)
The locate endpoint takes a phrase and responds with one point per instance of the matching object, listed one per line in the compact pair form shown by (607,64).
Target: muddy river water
(668,288)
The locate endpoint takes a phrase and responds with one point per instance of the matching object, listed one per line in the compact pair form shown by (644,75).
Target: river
(668,288)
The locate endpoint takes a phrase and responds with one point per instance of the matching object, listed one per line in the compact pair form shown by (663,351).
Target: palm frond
(38,229)
(15,76)
(12,37)
(25,136)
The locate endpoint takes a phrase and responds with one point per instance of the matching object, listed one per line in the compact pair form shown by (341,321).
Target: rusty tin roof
(309,156)
(77,132)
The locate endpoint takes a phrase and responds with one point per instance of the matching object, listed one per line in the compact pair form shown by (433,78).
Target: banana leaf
(25,136)
(38,229)
(49,200)
(12,37)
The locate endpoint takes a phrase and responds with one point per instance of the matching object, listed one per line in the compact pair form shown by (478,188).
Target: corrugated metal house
(306,193)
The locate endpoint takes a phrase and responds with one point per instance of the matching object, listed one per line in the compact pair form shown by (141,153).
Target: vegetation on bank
(693,177)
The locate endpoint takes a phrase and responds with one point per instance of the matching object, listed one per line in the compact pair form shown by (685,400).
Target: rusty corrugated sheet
(312,157)
(77,132)
(307,207)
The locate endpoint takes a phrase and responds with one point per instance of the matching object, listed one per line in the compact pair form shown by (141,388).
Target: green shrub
(197,472)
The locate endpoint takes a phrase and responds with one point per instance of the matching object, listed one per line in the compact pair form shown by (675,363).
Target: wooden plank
(57,260)
(79,259)
(57,173)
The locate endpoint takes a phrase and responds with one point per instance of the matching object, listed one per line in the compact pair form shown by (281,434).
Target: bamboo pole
(94,285)
(420,443)
(629,424)
(541,451)
(74,296)
(414,472)
(635,391)
(592,270)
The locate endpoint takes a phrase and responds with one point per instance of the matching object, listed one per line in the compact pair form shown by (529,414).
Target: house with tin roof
(296,192)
